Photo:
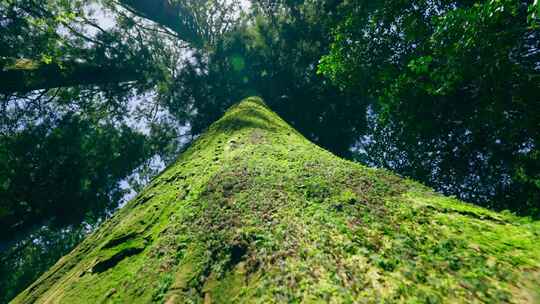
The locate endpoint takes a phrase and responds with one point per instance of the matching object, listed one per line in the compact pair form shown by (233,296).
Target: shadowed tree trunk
(26,78)
(172,15)
(253,212)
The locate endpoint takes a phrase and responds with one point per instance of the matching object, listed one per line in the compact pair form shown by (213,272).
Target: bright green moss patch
(253,212)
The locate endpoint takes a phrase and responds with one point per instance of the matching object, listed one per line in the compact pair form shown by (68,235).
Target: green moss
(253,212)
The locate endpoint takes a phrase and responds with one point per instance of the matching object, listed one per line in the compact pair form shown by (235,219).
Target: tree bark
(47,76)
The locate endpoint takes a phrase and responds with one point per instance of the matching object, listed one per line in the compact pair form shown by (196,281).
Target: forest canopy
(99,96)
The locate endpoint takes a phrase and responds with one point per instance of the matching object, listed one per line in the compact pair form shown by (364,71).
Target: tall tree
(253,211)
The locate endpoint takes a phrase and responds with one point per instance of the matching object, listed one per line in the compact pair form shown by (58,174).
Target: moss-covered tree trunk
(253,212)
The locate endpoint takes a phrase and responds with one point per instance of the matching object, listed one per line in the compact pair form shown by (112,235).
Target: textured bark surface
(253,212)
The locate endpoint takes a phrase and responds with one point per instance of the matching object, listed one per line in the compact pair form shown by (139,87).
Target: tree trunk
(172,15)
(254,212)
(47,76)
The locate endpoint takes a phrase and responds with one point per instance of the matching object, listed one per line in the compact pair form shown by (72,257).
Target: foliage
(457,84)
(73,168)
